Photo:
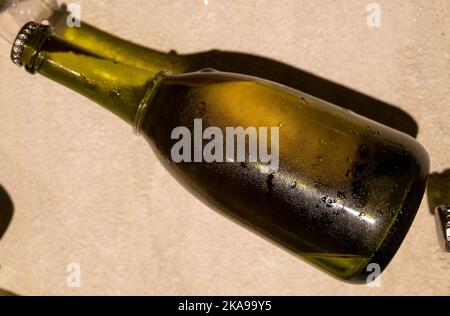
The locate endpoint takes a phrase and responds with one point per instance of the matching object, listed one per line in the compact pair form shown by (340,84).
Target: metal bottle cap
(442,216)
(17,49)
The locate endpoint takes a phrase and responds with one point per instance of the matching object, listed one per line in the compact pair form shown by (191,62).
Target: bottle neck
(112,47)
(124,90)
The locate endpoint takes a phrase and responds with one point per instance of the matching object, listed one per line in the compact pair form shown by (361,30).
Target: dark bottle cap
(442,215)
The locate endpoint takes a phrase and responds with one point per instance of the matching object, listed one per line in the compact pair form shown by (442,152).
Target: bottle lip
(25,33)
(28,45)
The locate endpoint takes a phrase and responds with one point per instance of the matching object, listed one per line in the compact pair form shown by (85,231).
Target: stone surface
(86,191)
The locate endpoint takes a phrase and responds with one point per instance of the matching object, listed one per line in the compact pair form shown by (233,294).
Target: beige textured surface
(86,190)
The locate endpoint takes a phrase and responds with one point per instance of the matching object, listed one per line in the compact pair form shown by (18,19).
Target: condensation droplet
(328,201)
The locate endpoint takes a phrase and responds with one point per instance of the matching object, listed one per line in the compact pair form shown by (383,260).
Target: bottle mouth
(22,37)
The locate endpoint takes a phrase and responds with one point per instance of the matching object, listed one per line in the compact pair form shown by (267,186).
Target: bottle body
(346,189)
(342,194)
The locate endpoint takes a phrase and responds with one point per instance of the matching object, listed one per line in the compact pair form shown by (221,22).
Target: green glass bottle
(344,190)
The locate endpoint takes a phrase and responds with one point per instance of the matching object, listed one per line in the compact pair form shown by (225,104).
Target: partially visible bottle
(343,193)
(438,194)
(6,293)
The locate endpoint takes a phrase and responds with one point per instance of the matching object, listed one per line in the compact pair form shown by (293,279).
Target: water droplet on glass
(328,201)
